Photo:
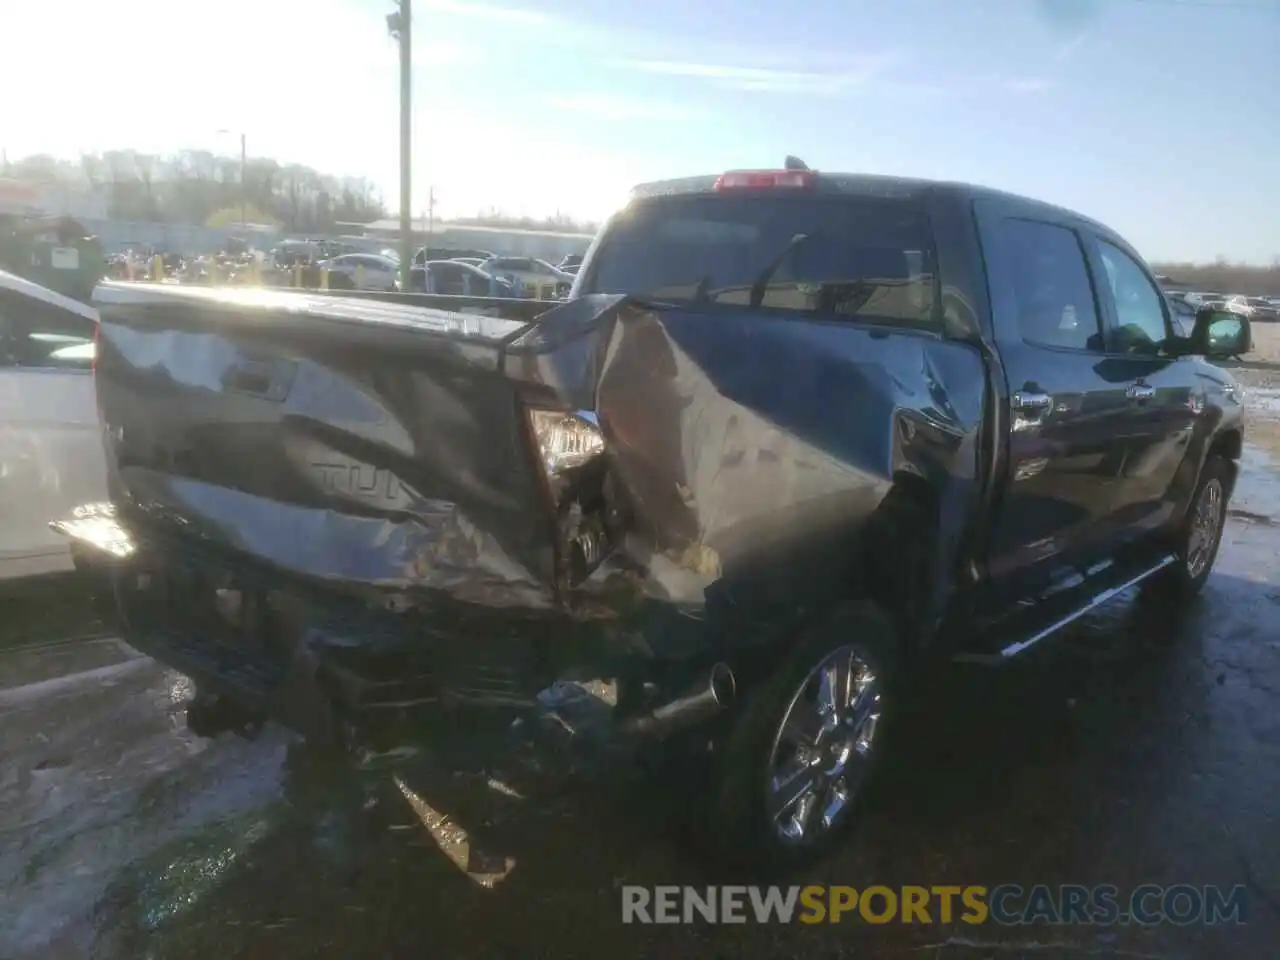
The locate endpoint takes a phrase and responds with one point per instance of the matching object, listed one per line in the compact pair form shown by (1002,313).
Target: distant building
(504,241)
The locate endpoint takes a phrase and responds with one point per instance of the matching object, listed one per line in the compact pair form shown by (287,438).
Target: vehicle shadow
(58,607)
(1240,363)
(521,850)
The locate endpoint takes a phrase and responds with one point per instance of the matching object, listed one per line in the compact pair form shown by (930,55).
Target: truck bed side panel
(755,453)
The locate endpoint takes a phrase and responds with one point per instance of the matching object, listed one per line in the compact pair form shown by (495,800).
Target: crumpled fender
(751,454)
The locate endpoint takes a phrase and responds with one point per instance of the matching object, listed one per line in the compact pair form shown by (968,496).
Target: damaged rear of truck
(735,475)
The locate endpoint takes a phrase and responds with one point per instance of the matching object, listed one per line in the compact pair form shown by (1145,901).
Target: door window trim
(1082,244)
(1094,240)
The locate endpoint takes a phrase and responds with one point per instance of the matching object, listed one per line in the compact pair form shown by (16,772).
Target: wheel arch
(897,566)
(1227,444)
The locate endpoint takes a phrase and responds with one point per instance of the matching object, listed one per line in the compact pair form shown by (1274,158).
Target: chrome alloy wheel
(823,748)
(1206,527)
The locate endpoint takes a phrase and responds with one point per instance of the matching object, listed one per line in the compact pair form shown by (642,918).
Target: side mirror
(1220,334)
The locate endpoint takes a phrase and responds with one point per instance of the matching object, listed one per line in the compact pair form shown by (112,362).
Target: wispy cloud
(1068,49)
(1028,85)
(488,11)
(763,80)
(601,106)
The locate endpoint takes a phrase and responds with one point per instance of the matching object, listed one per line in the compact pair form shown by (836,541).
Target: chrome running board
(1013,649)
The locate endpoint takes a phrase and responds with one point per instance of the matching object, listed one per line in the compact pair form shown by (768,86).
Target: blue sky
(1159,117)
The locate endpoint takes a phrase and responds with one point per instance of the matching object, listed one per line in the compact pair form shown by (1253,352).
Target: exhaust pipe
(701,703)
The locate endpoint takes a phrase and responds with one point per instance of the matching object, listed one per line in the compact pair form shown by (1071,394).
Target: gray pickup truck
(794,436)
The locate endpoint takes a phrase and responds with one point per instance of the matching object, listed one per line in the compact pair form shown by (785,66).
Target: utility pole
(431,212)
(244,180)
(400,25)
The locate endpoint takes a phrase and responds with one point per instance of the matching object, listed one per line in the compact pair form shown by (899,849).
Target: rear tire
(1200,535)
(800,730)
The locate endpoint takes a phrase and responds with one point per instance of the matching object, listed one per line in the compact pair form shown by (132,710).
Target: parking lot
(1143,747)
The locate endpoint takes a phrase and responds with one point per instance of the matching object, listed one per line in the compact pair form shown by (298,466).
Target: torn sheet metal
(746,456)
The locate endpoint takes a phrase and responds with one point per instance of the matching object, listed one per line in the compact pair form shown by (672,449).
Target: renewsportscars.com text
(1008,904)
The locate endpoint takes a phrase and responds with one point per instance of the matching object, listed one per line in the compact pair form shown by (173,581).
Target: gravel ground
(1261,366)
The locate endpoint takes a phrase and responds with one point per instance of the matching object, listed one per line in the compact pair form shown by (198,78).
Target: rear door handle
(1140,391)
(1031,402)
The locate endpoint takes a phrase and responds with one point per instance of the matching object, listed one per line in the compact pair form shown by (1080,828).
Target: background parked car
(289,253)
(446,253)
(1262,308)
(456,278)
(51,456)
(530,277)
(365,271)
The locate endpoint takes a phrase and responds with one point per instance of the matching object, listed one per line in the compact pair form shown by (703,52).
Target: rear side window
(1052,293)
(517,263)
(865,258)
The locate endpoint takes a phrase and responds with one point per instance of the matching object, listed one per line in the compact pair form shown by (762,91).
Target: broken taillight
(565,440)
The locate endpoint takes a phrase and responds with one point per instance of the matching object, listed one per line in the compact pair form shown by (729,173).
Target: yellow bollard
(360,276)
(324,278)
(157,268)
(297,275)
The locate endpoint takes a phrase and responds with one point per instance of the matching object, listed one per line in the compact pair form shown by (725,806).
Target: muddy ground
(1143,747)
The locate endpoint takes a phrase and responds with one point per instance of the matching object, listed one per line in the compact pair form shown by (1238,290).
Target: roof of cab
(11,281)
(864,184)
(824,183)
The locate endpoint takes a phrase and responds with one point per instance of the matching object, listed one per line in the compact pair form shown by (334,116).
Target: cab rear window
(867,258)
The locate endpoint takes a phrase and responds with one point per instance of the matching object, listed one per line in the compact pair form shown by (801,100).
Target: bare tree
(194,185)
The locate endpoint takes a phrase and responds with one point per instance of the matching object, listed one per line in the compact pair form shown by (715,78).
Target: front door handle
(1140,391)
(1031,402)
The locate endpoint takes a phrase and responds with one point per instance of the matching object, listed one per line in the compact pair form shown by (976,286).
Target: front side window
(1052,294)
(1183,316)
(479,284)
(449,280)
(1140,322)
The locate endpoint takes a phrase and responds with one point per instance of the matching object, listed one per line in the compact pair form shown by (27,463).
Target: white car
(366,271)
(1240,304)
(1198,300)
(51,456)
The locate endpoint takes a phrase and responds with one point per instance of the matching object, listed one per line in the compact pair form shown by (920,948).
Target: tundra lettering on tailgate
(350,478)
